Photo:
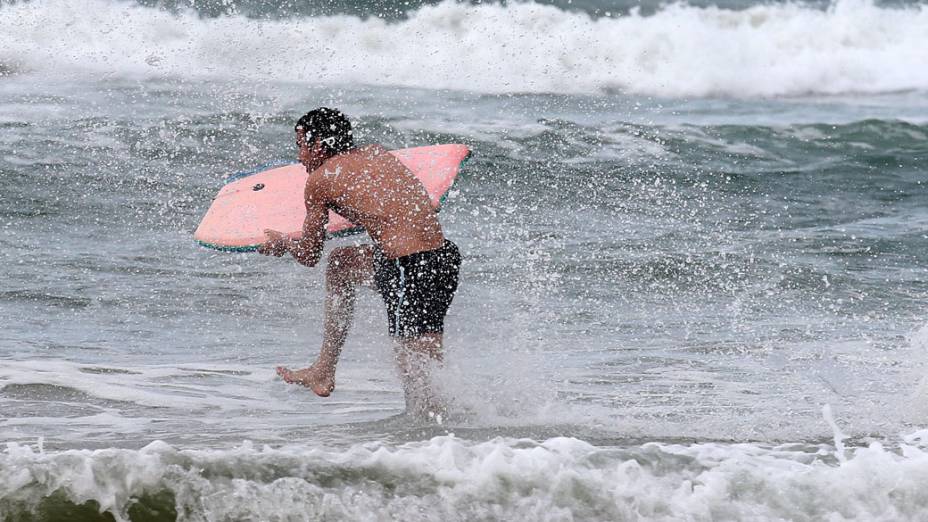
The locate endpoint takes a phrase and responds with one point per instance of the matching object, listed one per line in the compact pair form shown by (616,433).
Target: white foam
(136,385)
(449,479)
(919,339)
(918,401)
(766,50)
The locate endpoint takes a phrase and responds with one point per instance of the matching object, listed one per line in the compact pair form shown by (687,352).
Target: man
(413,266)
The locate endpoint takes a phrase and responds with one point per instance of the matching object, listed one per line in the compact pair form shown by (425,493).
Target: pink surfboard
(273,199)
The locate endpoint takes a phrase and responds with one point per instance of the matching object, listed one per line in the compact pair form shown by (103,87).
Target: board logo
(258,187)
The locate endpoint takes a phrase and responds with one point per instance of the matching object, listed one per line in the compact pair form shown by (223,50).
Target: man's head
(320,134)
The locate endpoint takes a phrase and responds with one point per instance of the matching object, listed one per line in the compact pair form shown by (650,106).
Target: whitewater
(449,479)
(785,49)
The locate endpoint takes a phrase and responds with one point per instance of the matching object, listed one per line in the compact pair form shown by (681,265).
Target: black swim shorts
(418,288)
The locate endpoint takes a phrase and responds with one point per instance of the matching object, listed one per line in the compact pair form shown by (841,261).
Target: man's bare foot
(320,380)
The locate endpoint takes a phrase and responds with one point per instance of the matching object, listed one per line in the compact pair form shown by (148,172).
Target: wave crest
(451,479)
(766,50)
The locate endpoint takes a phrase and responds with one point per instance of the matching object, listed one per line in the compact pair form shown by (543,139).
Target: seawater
(695,243)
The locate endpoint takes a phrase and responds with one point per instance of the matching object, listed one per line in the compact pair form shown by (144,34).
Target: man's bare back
(370,187)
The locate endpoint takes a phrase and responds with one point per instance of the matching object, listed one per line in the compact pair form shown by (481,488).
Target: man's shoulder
(317,184)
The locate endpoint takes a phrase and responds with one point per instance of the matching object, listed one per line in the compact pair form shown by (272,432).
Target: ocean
(695,242)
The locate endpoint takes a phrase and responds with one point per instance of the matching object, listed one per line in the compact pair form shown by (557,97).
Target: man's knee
(345,267)
(343,257)
(340,262)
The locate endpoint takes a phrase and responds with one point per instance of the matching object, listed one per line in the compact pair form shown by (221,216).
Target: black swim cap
(329,125)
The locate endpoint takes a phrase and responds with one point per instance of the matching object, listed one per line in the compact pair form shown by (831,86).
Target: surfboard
(271,197)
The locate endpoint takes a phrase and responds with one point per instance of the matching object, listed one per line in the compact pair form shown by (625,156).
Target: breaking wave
(449,479)
(853,46)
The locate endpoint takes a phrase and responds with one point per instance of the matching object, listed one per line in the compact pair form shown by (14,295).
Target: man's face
(310,152)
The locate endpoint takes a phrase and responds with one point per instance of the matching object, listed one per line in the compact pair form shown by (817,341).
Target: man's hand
(276,245)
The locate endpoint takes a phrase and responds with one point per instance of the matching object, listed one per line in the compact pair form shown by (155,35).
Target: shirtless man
(412,265)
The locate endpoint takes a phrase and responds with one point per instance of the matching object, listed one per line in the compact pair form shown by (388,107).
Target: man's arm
(308,250)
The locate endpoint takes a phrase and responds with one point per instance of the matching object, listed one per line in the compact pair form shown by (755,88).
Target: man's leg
(428,289)
(348,268)
(416,357)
